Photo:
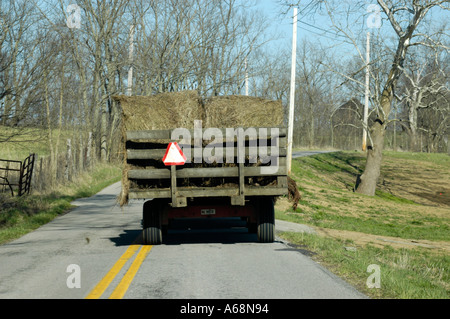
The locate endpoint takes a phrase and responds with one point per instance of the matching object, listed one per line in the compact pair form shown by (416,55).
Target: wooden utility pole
(292,92)
(130,56)
(366,103)
(246,77)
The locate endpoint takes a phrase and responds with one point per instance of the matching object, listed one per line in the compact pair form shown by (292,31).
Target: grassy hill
(405,228)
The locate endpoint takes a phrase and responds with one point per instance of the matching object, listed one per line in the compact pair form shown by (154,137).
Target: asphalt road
(95,252)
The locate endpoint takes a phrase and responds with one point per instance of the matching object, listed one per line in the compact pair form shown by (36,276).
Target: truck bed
(146,177)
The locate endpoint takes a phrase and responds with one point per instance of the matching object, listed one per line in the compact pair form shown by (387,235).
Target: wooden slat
(240,199)
(265,171)
(150,193)
(140,174)
(145,154)
(184,192)
(149,135)
(158,154)
(265,150)
(208,192)
(148,174)
(166,134)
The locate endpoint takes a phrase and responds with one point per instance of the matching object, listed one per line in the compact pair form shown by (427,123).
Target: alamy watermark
(74,279)
(74,19)
(374,18)
(257,149)
(374,280)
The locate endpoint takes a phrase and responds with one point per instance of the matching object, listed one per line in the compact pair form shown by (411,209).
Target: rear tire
(252,228)
(266,221)
(152,230)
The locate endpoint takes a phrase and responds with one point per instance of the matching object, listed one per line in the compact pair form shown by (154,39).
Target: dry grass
(411,207)
(181,109)
(404,228)
(161,111)
(245,111)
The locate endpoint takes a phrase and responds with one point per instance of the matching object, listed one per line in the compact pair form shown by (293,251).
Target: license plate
(208,212)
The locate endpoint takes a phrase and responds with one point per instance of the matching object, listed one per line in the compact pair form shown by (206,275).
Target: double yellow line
(122,287)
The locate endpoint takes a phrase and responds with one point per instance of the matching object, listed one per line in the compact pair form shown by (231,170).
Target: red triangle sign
(174,155)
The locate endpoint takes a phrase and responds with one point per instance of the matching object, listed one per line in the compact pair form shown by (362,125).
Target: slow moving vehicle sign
(174,155)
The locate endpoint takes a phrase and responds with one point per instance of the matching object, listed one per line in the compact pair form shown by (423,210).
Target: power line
(323,30)
(319,34)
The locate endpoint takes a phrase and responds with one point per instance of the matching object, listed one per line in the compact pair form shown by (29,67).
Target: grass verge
(404,228)
(404,273)
(19,216)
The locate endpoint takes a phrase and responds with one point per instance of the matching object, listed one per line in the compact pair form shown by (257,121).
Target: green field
(17,144)
(405,228)
(19,216)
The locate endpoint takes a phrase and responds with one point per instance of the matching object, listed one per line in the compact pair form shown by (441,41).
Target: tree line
(60,77)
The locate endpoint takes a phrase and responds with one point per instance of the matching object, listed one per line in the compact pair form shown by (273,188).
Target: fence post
(81,155)
(20,180)
(40,183)
(68,173)
(89,152)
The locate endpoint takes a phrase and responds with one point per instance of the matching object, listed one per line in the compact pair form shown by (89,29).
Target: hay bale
(243,111)
(180,109)
(156,112)
(294,195)
(160,111)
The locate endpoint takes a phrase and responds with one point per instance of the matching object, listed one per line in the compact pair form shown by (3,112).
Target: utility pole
(366,103)
(130,57)
(292,93)
(246,77)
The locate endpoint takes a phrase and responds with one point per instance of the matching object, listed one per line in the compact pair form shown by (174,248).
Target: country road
(94,251)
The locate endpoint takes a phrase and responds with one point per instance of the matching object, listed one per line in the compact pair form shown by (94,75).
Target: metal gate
(15,176)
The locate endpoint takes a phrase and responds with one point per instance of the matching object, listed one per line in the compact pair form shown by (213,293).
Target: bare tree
(424,91)
(405,31)
(405,18)
(21,67)
(198,45)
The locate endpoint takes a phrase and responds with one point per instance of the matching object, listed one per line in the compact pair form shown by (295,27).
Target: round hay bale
(160,111)
(242,111)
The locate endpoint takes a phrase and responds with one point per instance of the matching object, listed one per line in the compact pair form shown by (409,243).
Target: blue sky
(318,28)
(281,26)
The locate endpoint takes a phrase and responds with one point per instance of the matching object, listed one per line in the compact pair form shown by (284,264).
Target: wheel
(266,221)
(151,217)
(252,228)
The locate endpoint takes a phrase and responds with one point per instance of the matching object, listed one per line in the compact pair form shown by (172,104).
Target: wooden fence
(64,167)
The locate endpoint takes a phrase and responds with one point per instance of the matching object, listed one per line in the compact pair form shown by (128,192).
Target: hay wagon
(228,171)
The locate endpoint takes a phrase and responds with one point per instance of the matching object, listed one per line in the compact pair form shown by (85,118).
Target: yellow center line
(109,277)
(122,288)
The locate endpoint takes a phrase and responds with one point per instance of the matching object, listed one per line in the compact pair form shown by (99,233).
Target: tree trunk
(412,117)
(371,173)
(53,169)
(311,131)
(368,180)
